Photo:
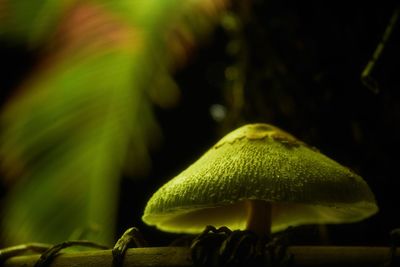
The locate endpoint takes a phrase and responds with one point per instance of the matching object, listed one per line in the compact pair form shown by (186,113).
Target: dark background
(304,60)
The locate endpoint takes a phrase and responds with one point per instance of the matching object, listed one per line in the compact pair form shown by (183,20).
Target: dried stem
(304,256)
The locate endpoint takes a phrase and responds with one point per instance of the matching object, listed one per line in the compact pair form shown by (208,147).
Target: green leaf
(68,133)
(68,136)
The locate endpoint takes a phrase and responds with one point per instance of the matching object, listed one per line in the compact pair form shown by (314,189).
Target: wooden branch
(305,256)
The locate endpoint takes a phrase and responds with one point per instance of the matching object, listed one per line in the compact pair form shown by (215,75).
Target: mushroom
(263,179)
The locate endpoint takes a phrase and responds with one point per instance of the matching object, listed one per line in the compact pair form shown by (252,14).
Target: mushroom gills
(234,216)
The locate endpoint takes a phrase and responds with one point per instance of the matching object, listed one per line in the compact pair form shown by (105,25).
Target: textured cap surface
(260,161)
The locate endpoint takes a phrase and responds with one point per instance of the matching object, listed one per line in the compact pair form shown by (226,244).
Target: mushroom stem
(258,216)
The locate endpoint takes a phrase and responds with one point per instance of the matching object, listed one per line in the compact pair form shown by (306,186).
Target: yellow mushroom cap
(260,162)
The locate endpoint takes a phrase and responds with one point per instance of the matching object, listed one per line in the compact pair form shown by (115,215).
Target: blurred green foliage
(85,112)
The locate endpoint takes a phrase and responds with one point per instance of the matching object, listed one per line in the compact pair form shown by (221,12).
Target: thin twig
(21,249)
(366,77)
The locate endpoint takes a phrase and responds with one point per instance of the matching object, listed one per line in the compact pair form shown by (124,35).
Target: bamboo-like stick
(304,256)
